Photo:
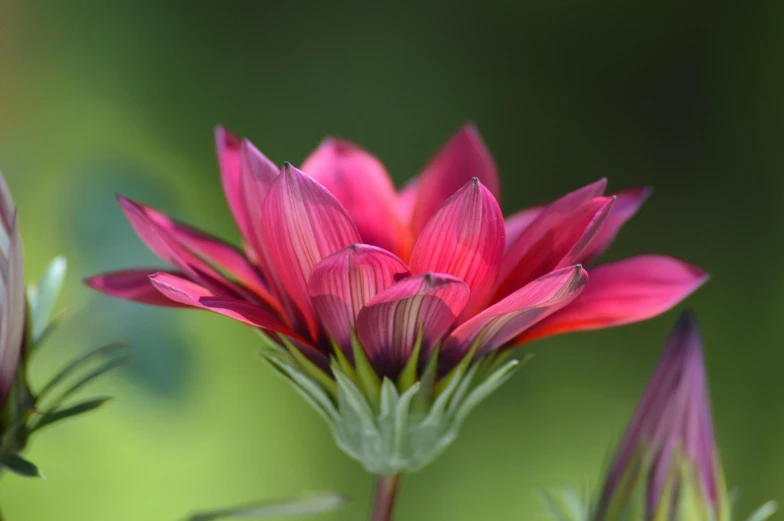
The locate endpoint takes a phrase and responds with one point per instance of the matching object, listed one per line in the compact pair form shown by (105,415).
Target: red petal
(342,283)
(406,199)
(303,223)
(155,230)
(502,322)
(552,241)
(361,184)
(623,292)
(390,323)
(191,294)
(517,223)
(465,238)
(132,285)
(228,147)
(627,202)
(464,157)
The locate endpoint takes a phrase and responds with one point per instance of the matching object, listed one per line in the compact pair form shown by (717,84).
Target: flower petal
(362,185)
(12,295)
(213,250)
(303,223)
(517,223)
(228,147)
(257,173)
(552,241)
(342,283)
(406,199)
(132,285)
(464,157)
(465,238)
(623,292)
(389,324)
(545,218)
(191,294)
(627,202)
(502,322)
(151,226)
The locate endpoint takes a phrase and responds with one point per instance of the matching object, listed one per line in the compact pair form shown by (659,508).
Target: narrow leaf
(57,415)
(75,364)
(42,296)
(19,466)
(305,505)
(91,376)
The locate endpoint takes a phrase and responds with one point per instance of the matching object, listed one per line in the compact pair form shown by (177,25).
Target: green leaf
(19,466)
(763,512)
(305,505)
(42,296)
(56,415)
(75,364)
(91,376)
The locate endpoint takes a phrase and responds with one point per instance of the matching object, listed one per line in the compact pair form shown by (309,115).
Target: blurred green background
(102,97)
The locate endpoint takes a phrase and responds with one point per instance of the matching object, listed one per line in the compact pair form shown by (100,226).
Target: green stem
(386,493)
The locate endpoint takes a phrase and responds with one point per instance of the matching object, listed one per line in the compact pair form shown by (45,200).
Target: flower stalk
(386,494)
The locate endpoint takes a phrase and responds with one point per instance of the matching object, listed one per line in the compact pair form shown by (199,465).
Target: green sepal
(408,376)
(764,512)
(309,366)
(388,426)
(299,506)
(366,376)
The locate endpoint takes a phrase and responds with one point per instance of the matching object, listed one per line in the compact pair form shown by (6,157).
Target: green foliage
(300,506)
(392,427)
(27,411)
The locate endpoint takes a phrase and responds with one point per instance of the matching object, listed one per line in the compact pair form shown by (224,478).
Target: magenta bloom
(334,251)
(12,293)
(669,444)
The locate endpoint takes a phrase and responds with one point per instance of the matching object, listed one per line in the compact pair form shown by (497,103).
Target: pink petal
(547,219)
(389,324)
(303,223)
(465,238)
(257,174)
(360,182)
(464,157)
(627,202)
(342,283)
(191,294)
(517,223)
(213,250)
(228,148)
(7,212)
(12,294)
(132,285)
(502,322)
(549,244)
(623,292)
(150,225)
(406,199)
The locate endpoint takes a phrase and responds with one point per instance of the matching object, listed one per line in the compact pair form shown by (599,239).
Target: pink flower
(334,252)
(12,293)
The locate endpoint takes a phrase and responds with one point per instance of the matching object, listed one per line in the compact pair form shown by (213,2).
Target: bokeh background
(103,97)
